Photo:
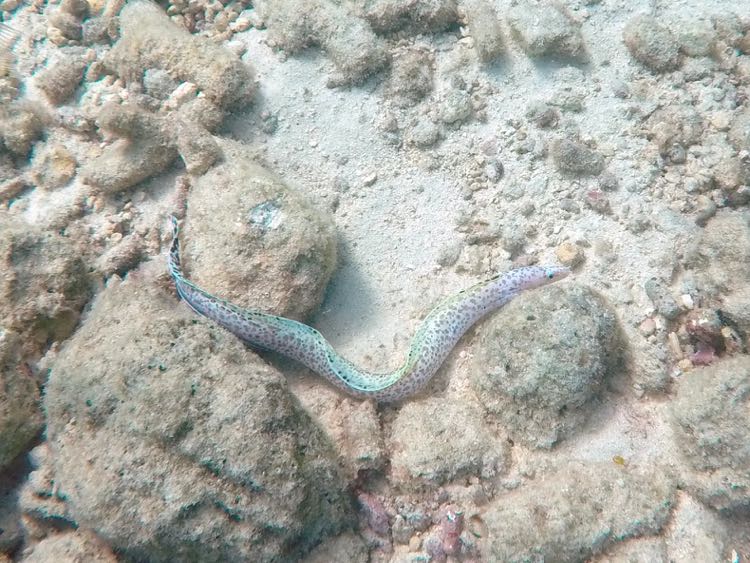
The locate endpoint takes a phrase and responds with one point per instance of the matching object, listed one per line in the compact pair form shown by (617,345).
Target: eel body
(434,339)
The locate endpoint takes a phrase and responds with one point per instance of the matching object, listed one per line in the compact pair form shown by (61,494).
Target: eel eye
(550,274)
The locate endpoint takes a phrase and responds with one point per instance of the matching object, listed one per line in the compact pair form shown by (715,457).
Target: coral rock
(147,148)
(576,158)
(54,166)
(20,412)
(59,80)
(434,442)
(149,39)
(651,43)
(44,285)
(711,421)
(173,441)
(577,511)
(348,40)
(543,30)
(544,393)
(253,240)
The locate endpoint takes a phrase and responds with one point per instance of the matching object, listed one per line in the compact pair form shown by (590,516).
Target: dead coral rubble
(542,30)
(146,148)
(148,145)
(651,43)
(193,91)
(484,28)
(348,40)
(60,79)
(149,39)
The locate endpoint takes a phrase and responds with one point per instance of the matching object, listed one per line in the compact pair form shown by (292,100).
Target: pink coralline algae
(374,513)
(447,540)
(451,527)
(703,355)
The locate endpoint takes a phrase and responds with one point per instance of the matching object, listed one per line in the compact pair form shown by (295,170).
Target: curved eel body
(433,341)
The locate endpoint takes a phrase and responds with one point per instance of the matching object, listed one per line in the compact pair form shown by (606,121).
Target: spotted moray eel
(433,341)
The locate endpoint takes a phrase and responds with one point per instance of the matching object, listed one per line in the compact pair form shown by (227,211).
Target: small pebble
(662,299)
(608,182)
(647,327)
(721,120)
(598,201)
(574,157)
(493,170)
(239,25)
(673,341)
(677,154)
(184,92)
(370,179)
(569,254)
(706,210)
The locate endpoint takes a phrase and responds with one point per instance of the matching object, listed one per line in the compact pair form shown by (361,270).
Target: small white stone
(370,179)
(647,327)
(240,24)
(687,300)
(181,94)
(674,345)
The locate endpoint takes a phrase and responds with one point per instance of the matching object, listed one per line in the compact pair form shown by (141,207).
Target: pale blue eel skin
(433,341)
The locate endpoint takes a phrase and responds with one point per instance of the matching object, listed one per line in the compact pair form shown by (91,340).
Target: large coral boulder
(711,421)
(722,254)
(172,441)
(577,511)
(252,239)
(541,361)
(435,442)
